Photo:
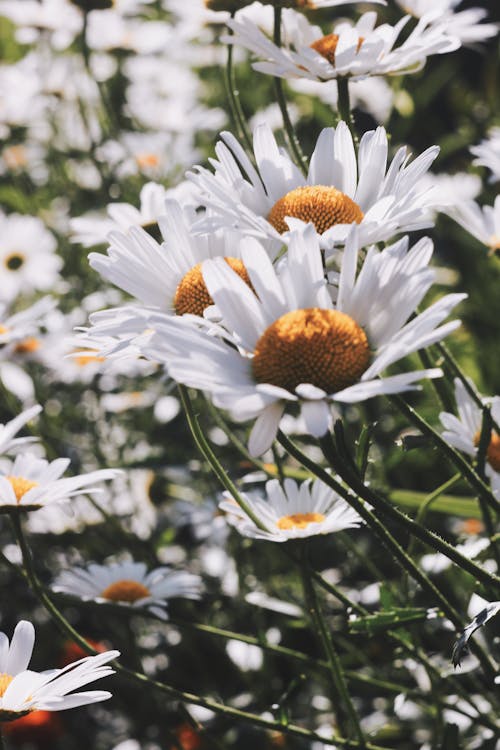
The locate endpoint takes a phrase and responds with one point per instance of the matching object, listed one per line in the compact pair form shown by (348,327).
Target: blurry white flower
(128,583)
(23,324)
(482,222)
(292,512)
(245,655)
(9,430)
(465,24)
(487,153)
(23,690)
(109,30)
(29,483)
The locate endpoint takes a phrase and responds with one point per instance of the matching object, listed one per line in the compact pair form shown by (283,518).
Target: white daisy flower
(167,276)
(8,441)
(464,431)
(339,189)
(292,512)
(353,51)
(482,222)
(465,24)
(29,483)
(286,342)
(27,256)
(17,327)
(487,154)
(23,691)
(128,583)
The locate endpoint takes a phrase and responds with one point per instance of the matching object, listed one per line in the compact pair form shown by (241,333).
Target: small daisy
(464,431)
(465,24)
(128,583)
(487,154)
(483,222)
(168,276)
(347,51)
(23,691)
(23,324)
(286,341)
(292,512)
(27,256)
(340,189)
(10,429)
(31,483)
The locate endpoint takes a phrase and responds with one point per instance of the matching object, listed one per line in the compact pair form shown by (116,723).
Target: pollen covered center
(493,450)
(326,46)
(14,261)
(125,591)
(326,348)
(299,520)
(322,205)
(5,680)
(192,295)
(21,486)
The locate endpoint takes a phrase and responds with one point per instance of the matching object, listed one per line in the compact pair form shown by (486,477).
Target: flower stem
(293,141)
(210,456)
(344,105)
(324,635)
(235,107)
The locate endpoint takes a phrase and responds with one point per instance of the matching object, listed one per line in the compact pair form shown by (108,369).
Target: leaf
(390,619)
(460,648)
(450,505)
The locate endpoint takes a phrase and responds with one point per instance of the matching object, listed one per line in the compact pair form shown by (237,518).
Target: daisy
(465,24)
(128,583)
(21,325)
(339,189)
(482,222)
(30,483)
(287,343)
(23,691)
(167,276)
(292,512)
(488,154)
(347,51)
(10,429)
(464,431)
(27,256)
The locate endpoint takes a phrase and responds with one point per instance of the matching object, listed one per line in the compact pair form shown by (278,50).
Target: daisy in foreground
(128,583)
(353,51)
(292,512)
(283,341)
(23,691)
(30,483)
(340,189)
(464,431)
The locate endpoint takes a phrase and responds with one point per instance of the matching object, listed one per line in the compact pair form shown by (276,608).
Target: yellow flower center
(5,680)
(3,329)
(493,450)
(85,358)
(15,156)
(326,348)
(125,591)
(322,205)
(494,244)
(145,161)
(21,486)
(14,261)
(327,45)
(192,295)
(28,346)
(299,520)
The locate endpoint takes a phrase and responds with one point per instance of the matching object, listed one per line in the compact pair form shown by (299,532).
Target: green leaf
(450,505)
(394,618)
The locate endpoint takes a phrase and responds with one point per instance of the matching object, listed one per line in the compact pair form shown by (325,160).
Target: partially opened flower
(292,512)
(483,222)
(130,584)
(340,189)
(464,431)
(23,691)
(464,24)
(30,483)
(353,51)
(284,341)
(8,441)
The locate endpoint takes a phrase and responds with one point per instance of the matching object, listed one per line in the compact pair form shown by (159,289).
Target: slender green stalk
(293,141)
(426,504)
(210,456)
(381,505)
(440,385)
(337,676)
(237,114)
(344,106)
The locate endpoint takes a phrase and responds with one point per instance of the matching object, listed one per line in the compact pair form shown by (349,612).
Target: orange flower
(40,728)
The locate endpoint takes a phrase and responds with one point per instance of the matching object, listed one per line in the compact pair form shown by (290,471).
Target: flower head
(292,512)
(23,691)
(130,584)
(483,222)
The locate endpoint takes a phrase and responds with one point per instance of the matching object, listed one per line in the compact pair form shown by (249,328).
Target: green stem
(237,114)
(344,105)
(381,505)
(324,634)
(210,456)
(293,141)
(426,504)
